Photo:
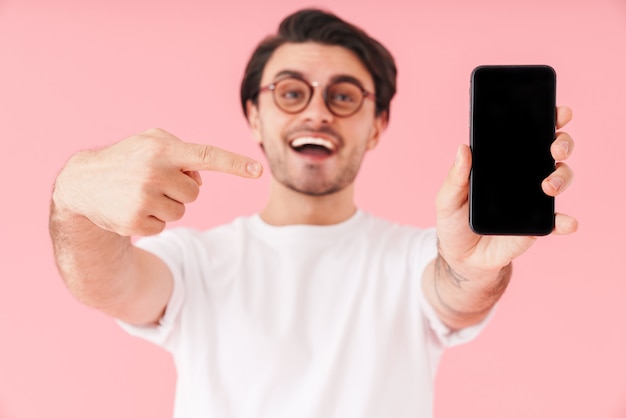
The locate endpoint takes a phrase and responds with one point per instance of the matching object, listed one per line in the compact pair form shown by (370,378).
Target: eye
(342,97)
(344,94)
(292,94)
(290,91)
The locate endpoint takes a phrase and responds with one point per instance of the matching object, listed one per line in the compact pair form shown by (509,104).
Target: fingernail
(253,168)
(556,182)
(564,146)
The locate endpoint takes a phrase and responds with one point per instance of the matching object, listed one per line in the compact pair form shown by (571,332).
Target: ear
(254,121)
(379,125)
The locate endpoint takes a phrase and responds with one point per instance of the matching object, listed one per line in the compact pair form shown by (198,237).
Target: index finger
(199,157)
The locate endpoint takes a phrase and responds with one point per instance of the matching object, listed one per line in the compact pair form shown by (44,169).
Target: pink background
(82,74)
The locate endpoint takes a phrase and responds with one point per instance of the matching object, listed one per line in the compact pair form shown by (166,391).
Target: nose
(317,111)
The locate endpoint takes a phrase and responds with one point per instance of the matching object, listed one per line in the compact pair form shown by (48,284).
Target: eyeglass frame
(312,85)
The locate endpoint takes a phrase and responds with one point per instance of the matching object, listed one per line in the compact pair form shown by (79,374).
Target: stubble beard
(313,187)
(313,182)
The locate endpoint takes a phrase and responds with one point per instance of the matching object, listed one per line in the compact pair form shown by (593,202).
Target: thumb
(454,191)
(203,157)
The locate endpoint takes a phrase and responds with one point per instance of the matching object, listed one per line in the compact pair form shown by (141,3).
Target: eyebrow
(288,73)
(348,78)
(334,79)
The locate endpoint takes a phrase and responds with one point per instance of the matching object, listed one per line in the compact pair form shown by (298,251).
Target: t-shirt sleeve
(168,246)
(444,334)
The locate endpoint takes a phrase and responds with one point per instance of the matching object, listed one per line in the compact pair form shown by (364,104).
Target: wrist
(471,268)
(465,300)
(468,277)
(65,194)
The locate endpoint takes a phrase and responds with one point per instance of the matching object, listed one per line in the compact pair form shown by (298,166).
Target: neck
(289,207)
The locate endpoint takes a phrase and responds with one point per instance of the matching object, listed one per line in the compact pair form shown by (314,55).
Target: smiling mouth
(313,146)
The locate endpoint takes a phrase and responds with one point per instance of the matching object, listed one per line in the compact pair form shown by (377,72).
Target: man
(312,308)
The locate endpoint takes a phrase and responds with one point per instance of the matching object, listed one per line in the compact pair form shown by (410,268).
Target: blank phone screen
(512,125)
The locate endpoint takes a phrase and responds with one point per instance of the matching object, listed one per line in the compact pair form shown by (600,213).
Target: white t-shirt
(301,321)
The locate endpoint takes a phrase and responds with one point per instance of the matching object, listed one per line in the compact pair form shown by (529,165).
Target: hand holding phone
(476,260)
(512,126)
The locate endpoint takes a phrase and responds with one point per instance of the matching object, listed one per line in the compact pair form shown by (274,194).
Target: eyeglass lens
(293,95)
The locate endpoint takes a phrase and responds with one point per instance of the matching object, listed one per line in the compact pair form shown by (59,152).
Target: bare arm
(459,299)
(104,270)
(134,187)
(471,272)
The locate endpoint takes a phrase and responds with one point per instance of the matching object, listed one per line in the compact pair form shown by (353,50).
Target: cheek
(271,122)
(364,130)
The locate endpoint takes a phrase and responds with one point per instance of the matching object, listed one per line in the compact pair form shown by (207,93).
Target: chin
(317,189)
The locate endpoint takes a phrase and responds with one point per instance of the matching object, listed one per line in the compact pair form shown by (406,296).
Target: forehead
(316,62)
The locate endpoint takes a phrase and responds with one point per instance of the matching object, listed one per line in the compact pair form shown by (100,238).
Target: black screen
(512,126)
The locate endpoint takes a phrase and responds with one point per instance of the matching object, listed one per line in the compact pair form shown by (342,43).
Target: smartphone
(512,125)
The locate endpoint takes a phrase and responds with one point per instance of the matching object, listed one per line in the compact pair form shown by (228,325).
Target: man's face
(313,151)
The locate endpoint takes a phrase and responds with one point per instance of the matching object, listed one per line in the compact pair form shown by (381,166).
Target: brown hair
(313,25)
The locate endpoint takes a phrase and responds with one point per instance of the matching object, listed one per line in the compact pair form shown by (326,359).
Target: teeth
(309,140)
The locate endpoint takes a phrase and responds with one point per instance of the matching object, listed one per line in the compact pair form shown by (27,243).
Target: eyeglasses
(342,98)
